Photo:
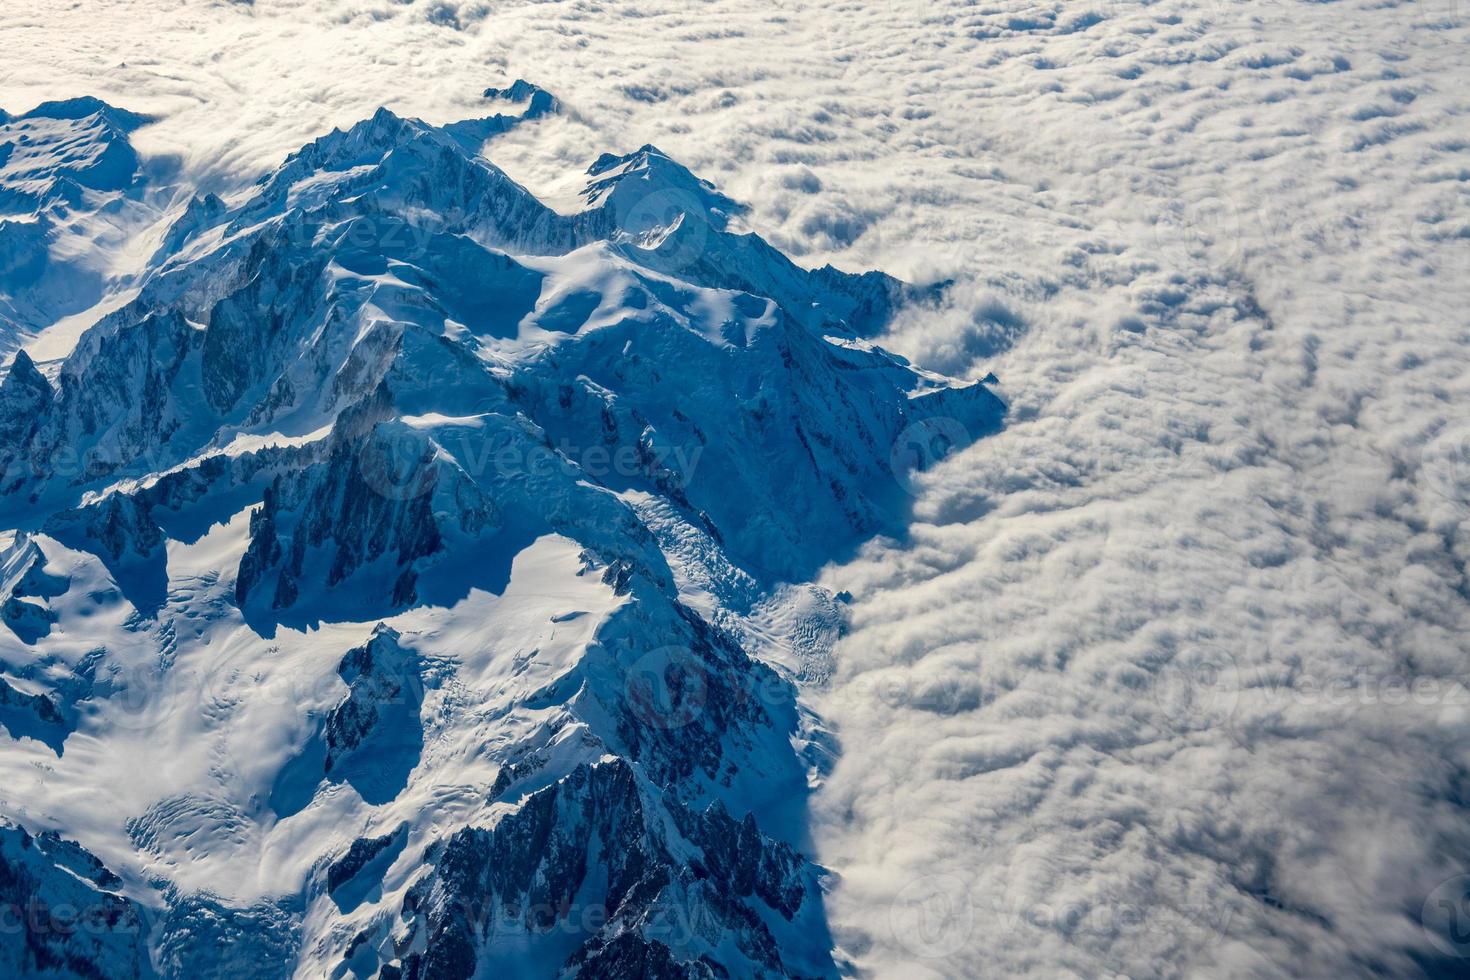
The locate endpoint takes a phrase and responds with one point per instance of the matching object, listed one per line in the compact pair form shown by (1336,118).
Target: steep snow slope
(71,204)
(384,561)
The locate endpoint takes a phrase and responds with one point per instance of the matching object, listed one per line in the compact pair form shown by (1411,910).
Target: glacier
(403,578)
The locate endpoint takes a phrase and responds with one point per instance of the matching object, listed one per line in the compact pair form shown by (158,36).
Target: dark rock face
(249,327)
(539,102)
(589,873)
(512,773)
(28,620)
(695,449)
(374,737)
(25,397)
(363,852)
(371,739)
(374,498)
(41,702)
(25,589)
(116,408)
(120,531)
(32,716)
(741,862)
(628,958)
(119,527)
(63,913)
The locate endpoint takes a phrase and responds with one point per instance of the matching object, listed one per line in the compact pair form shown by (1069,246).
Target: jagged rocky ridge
(538,467)
(65,915)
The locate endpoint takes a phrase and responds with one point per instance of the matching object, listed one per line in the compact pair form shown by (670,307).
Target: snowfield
(1165,675)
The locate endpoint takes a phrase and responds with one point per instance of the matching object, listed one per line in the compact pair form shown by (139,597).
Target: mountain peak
(23,371)
(84,107)
(539,101)
(342,147)
(52,153)
(25,395)
(648,190)
(608,161)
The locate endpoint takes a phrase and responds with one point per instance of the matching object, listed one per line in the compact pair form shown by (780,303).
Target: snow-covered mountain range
(401,577)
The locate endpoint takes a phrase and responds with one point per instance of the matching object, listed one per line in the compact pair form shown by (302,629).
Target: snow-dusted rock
(454,467)
(65,914)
